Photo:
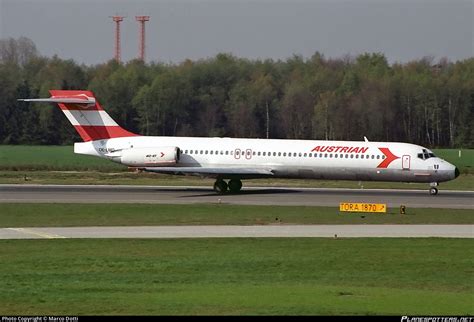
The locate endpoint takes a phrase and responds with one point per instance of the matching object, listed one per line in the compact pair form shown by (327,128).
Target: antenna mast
(117,20)
(141,47)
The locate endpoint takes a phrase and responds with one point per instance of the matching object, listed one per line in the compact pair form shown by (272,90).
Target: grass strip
(238,277)
(70,215)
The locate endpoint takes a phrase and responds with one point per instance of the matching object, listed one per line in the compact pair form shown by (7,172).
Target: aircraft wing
(213,172)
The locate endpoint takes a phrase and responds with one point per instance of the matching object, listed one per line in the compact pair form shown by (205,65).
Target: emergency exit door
(406,162)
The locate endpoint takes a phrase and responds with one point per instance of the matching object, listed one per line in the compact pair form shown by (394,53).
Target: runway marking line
(37,233)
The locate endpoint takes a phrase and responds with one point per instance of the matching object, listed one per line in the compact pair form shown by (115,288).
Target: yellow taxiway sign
(362,207)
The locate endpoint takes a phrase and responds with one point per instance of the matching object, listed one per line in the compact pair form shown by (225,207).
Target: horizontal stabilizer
(65,100)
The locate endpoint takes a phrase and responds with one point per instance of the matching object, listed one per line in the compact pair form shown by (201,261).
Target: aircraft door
(237,153)
(248,154)
(406,162)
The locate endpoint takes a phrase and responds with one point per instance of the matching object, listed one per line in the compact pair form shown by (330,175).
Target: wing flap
(211,171)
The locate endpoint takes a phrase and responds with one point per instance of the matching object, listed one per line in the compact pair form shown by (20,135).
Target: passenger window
(357,156)
(279,154)
(211,152)
(264,153)
(310,155)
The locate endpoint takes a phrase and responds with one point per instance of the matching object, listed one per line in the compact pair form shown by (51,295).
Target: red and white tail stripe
(86,115)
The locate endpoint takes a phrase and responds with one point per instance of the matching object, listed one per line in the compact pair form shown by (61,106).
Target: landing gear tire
(433,191)
(235,185)
(220,186)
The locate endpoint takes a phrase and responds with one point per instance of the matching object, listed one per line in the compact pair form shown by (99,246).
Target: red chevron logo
(389,158)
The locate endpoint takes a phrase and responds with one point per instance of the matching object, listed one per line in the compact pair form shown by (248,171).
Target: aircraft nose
(456,172)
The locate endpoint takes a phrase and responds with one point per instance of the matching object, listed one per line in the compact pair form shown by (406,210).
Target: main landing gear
(433,189)
(221,187)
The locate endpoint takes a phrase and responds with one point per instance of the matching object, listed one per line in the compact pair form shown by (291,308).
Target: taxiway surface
(248,196)
(222,231)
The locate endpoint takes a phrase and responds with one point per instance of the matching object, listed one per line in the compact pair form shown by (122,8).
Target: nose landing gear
(433,189)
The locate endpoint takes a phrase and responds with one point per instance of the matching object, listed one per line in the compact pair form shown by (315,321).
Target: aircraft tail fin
(85,114)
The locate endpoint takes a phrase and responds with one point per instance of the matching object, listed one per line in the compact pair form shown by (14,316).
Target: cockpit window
(425,155)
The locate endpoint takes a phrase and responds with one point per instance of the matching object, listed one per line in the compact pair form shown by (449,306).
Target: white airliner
(238,159)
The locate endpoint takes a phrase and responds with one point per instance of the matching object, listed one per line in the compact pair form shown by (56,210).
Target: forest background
(423,101)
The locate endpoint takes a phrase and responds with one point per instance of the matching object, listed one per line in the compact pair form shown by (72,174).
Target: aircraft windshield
(426,154)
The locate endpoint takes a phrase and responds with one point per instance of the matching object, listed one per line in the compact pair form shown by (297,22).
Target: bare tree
(17,51)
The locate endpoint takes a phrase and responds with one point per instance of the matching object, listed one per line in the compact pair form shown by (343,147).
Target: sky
(402,30)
